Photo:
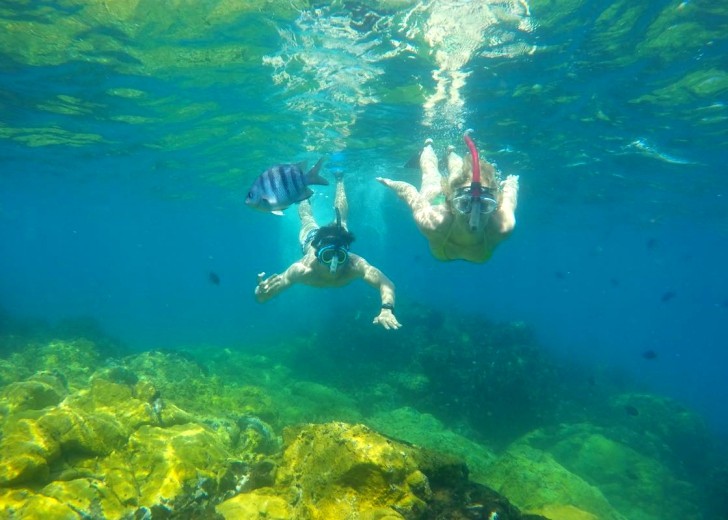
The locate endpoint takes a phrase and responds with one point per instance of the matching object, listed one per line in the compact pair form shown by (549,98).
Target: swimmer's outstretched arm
(404,191)
(379,280)
(426,216)
(270,287)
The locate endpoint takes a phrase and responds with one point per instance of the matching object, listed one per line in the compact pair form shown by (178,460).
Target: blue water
(127,149)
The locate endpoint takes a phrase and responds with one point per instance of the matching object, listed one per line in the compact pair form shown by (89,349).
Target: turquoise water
(131,131)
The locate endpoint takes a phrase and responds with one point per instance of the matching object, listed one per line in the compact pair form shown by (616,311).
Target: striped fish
(282,185)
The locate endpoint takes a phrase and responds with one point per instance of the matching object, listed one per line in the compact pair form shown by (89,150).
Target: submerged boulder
(37,392)
(107,451)
(537,483)
(26,451)
(339,470)
(578,470)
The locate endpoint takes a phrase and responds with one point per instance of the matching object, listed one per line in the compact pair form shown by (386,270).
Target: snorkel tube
(475,186)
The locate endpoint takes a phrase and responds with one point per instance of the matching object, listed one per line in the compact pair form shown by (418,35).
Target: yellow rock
(30,395)
(165,460)
(86,495)
(25,450)
(92,433)
(24,505)
(256,504)
(337,470)
(564,512)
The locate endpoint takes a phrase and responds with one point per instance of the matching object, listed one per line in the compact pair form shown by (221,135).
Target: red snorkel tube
(475,186)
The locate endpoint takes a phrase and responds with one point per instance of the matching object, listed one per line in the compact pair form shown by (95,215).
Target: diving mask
(332,256)
(463,200)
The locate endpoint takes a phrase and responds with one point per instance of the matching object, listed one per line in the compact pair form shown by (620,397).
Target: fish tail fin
(414,161)
(313,177)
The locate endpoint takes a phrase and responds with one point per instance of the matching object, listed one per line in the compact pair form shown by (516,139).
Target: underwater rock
(423,429)
(566,512)
(24,504)
(85,497)
(257,435)
(628,478)
(257,504)
(663,429)
(179,376)
(36,393)
(315,402)
(342,470)
(339,470)
(98,420)
(537,483)
(106,451)
(167,466)
(410,382)
(10,372)
(26,449)
(89,463)
(76,359)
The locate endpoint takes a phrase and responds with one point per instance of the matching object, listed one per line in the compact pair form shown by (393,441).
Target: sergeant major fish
(282,185)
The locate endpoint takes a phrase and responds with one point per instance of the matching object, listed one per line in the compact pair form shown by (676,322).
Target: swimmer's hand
(267,288)
(510,183)
(387,320)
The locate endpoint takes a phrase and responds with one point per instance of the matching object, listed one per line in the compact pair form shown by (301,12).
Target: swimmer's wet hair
(332,234)
(489,177)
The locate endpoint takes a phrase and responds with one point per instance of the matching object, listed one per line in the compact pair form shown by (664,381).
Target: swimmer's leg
(431,179)
(456,176)
(308,223)
(340,201)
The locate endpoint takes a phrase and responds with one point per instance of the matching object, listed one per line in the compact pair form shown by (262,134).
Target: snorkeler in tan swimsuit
(327,261)
(476,213)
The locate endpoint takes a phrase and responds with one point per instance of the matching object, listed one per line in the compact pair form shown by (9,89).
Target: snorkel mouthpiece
(475,186)
(334,264)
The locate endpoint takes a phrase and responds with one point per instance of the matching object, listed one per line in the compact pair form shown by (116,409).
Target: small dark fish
(652,244)
(282,185)
(614,282)
(214,278)
(631,410)
(632,475)
(667,296)
(559,275)
(649,354)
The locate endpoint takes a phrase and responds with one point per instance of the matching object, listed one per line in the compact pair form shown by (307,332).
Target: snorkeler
(465,215)
(327,261)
